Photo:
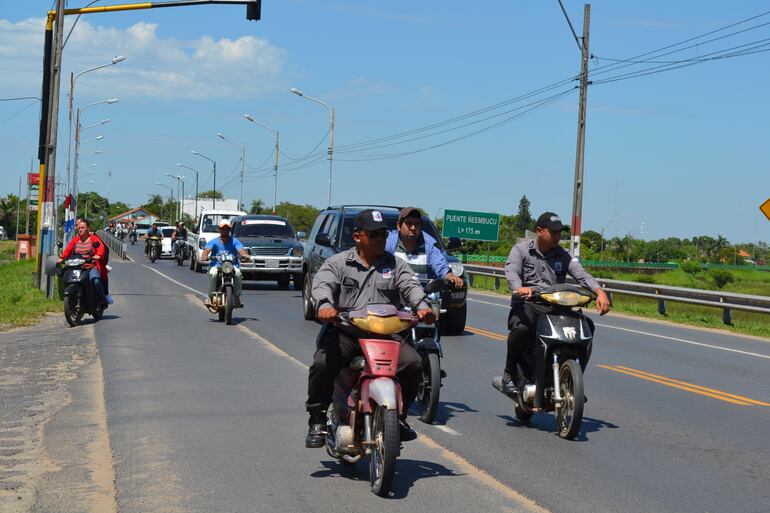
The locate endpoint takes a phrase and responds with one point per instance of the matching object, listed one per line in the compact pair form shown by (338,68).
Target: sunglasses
(377,234)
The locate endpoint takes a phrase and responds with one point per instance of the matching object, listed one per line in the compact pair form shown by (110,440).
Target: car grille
(271,251)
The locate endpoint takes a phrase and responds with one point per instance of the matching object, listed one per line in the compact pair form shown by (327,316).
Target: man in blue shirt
(419,249)
(224,244)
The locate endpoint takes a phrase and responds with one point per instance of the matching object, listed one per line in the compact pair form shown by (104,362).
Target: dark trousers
(336,349)
(522,326)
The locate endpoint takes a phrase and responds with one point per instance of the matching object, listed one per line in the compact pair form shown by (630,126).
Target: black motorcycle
(426,340)
(181,250)
(563,342)
(132,236)
(79,296)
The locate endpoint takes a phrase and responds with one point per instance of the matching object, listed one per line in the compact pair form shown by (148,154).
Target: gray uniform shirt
(528,267)
(345,283)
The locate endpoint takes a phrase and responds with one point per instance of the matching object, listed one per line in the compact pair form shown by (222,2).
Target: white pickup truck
(206,229)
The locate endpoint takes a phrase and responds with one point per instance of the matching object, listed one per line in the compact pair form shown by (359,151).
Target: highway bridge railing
(117,246)
(726,301)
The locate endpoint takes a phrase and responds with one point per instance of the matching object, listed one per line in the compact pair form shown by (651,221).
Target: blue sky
(678,153)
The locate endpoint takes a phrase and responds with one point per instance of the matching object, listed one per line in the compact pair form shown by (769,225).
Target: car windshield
(390,220)
(263,228)
(211,222)
(167,231)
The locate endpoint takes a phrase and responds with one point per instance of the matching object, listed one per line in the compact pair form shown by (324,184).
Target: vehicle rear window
(211,222)
(347,230)
(167,232)
(263,228)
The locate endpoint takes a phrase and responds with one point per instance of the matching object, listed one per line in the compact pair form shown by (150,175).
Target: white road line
(174,281)
(686,341)
(447,429)
(682,340)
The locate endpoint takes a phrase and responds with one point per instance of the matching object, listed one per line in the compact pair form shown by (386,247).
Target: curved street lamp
(275,166)
(196,187)
(243,161)
(301,93)
(214,162)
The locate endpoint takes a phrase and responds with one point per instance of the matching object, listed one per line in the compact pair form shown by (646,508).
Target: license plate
(76,274)
(272,263)
(458,295)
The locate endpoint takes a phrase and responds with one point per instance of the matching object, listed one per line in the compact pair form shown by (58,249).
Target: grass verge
(21,303)
(746,323)
(7,250)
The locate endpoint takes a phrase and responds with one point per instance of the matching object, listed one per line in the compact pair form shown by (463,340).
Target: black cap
(549,220)
(408,212)
(370,220)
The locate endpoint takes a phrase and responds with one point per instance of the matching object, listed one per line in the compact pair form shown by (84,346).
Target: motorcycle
(563,337)
(426,340)
(181,250)
(363,416)
(132,236)
(154,249)
(223,300)
(120,234)
(79,297)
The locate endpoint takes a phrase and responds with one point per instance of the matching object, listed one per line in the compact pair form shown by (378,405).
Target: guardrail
(117,246)
(497,259)
(727,301)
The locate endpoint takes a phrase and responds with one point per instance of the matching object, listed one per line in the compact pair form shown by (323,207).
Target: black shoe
(238,303)
(316,436)
(405,431)
(508,387)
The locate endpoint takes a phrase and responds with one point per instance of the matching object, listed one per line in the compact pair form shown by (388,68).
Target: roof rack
(343,207)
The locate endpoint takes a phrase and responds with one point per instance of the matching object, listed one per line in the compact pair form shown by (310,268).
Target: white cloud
(156,67)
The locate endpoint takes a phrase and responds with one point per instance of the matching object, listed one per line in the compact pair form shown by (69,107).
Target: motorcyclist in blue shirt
(224,244)
(419,249)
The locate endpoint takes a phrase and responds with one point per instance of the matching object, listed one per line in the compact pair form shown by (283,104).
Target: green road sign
(471,225)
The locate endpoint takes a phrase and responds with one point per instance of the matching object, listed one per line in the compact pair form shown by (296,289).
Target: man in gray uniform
(532,265)
(350,280)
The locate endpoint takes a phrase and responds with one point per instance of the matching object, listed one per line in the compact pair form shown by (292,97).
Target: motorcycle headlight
(456,268)
(297,251)
(227,267)
(566,298)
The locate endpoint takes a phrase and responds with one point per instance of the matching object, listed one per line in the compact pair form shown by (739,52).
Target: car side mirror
(301,235)
(453,244)
(323,239)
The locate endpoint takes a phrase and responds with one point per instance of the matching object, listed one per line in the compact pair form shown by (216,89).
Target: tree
(258,207)
(301,217)
(524,216)
(211,195)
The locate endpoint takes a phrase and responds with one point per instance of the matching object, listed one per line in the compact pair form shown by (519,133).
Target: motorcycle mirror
(59,244)
(435,286)
(453,244)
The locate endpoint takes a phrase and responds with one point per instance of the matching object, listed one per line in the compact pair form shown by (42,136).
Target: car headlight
(297,251)
(456,268)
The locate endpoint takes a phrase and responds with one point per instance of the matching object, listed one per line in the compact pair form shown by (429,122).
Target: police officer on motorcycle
(531,265)
(364,274)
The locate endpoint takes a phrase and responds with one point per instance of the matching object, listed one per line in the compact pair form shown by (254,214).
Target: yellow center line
(485,333)
(688,387)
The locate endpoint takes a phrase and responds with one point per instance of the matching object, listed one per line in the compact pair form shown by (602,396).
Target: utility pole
(275,172)
(243,162)
(577,198)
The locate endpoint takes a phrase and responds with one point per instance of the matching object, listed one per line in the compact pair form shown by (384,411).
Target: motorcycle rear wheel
(430,388)
(382,462)
(570,415)
(72,312)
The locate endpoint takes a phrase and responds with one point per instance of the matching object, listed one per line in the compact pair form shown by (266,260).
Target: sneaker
(405,431)
(238,303)
(109,299)
(316,436)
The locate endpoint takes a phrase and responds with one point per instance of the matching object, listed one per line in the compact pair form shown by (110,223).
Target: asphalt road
(208,417)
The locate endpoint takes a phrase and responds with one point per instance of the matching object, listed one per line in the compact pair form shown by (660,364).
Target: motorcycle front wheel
(430,388)
(229,305)
(179,258)
(382,462)
(72,312)
(570,415)
(153,255)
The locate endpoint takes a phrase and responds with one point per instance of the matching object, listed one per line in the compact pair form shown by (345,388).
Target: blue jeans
(96,285)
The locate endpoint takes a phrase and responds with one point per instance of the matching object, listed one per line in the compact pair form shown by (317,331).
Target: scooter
(564,337)
(426,340)
(363,416)
(79,297)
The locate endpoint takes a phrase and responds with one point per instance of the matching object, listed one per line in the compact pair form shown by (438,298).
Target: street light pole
(170,191)
(299,92)
(180,195)
(275,166)
(196,187)
(214,162)
(243,161)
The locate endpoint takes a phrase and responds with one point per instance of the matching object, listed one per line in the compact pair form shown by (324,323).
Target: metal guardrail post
(727,317)
(497,284)
(662,306)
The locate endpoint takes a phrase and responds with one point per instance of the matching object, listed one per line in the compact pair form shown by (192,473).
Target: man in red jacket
(88,245)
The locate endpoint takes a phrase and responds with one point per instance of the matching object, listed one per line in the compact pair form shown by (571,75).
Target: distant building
(188,205)
(135,215)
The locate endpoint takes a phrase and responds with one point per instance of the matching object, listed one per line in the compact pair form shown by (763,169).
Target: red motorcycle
(363,416)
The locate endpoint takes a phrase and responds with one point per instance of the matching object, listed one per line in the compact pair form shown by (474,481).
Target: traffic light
(254,10)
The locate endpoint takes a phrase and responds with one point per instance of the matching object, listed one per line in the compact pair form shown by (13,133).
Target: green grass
(7,250)
(21,303)
(746,281)
(746,323)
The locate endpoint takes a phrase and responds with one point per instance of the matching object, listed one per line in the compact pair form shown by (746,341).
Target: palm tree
(257,207)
